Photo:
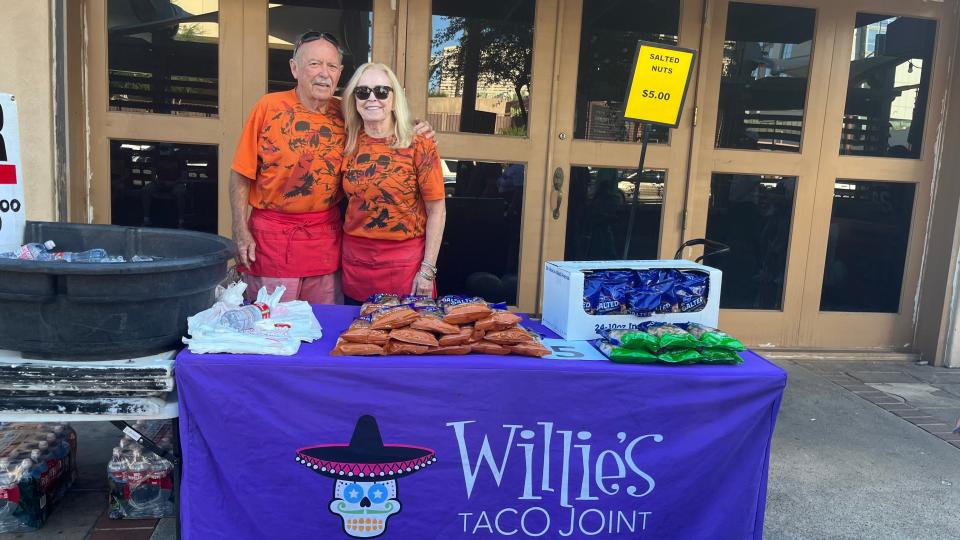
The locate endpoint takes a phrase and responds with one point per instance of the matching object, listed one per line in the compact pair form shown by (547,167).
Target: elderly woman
(394,186)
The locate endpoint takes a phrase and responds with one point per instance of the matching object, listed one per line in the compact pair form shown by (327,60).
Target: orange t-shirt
(386,188)
(293,154)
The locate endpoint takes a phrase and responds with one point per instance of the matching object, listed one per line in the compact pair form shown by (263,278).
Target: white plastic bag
(281,334)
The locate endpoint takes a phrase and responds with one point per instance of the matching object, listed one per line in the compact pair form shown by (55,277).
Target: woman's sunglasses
(380,92)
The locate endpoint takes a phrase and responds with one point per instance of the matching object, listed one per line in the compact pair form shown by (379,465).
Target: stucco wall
(25,71)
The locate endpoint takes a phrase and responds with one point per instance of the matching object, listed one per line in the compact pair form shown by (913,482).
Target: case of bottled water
(141,482)
(37,467)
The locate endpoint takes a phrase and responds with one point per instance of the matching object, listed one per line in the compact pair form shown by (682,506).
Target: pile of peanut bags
(452,325)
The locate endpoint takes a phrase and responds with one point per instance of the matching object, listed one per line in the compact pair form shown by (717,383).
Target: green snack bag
(713,338)
(679,356)
(623,355)
(720,356)
(670,336)
(632,339)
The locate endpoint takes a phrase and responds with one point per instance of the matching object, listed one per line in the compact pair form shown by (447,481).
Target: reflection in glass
(350,22)
(480,253)
(163,185)
(766,66)
(599,211)
(609,33)
(162,56)
(867,247)
(890,71)
(480,66)
(752,215)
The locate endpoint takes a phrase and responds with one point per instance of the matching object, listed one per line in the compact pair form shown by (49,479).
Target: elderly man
(285,180)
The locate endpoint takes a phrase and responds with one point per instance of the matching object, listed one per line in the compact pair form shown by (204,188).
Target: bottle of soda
(245,317)
(9,497)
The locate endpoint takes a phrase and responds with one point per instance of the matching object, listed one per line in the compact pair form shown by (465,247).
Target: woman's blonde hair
(402,128)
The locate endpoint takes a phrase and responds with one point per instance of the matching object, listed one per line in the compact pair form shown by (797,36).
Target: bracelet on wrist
(428,265)
(425,276)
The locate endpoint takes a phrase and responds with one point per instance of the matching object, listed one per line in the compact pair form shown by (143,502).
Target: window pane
(480,66)
(752,214)
(890,72)
(162,56)
(766,65)
(480,253)
(350,22)
(598,214)
(609,33)
(867,247)
(163,185)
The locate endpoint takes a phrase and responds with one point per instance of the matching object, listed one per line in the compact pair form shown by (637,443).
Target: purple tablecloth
(475,446)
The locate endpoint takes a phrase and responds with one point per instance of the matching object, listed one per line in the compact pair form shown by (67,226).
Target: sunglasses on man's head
(379,91)
(313,35)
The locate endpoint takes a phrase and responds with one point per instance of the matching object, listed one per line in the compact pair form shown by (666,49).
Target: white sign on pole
(11,176)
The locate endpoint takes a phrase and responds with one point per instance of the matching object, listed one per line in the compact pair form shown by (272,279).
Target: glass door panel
(752,214)
(480,66)
(480,253)
(890,73)
(867,246)
(599,213)
(766,66)
(163,56)
(609,31)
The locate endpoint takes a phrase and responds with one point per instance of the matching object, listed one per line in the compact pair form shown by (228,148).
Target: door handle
(558,190)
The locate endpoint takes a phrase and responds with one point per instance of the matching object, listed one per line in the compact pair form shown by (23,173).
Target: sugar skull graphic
(366,472)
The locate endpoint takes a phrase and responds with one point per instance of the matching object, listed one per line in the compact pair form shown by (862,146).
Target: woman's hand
(422,285)
(423,128)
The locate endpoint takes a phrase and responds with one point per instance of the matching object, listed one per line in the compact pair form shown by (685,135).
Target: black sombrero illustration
(366,456)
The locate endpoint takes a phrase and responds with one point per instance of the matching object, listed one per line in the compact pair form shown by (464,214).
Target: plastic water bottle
(31,252)
(144,493)
(117,476)
(37,472)
(9,496)
(95,255)
(245,317)
(44,448)
(160,469)
(117,468)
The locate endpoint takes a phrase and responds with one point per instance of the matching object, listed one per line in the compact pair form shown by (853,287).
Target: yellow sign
(658,86)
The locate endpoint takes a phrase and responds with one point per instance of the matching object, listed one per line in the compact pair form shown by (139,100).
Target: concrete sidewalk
(842,464)
(843,467)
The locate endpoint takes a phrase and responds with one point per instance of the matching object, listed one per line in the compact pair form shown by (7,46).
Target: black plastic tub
(91,311)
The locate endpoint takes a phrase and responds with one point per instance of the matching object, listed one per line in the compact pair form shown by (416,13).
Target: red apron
(373,266)
(295,245)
